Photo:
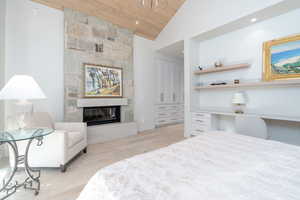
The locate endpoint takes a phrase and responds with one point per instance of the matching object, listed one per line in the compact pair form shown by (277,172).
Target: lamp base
(238,109)
(24,110)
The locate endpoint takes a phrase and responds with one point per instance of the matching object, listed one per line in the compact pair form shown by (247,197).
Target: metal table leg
(9,186)
(32,178)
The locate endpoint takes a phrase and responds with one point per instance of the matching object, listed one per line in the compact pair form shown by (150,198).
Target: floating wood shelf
(283,83)
(221,69)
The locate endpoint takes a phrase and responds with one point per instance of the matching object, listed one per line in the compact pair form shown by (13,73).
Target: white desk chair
(251,126)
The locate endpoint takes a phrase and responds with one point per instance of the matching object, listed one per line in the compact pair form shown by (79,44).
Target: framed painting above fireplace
(102,81)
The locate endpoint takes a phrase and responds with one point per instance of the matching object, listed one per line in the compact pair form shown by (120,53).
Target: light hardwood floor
(67,186)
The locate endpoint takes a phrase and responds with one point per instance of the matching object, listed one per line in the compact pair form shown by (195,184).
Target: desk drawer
(200,115)
(202,121)
(196,127)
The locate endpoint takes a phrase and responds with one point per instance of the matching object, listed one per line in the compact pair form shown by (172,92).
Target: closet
(169,91)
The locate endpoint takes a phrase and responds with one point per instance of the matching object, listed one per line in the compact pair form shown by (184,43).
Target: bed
(212,166)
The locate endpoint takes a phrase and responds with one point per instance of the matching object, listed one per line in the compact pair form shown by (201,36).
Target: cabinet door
(181,84)
(170,83)
(176,94)
(160,82)
(164,85)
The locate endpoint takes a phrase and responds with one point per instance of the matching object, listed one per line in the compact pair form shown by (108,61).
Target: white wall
(246,45)
(144,85)
(2,55)
(197,16)
(34,46)
(2,37)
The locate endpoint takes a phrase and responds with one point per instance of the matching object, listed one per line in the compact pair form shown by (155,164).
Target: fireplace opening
(101,115)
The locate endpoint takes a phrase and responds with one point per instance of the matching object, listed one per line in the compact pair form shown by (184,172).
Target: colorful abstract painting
(103,81)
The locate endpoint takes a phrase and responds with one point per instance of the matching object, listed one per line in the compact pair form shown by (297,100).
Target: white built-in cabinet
(201,123)
(169,82)
(169,92)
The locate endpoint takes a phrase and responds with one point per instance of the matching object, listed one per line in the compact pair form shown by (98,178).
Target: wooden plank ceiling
(124,13)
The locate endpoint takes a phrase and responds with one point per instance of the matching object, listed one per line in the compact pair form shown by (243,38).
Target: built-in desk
(203,119)
(227,112)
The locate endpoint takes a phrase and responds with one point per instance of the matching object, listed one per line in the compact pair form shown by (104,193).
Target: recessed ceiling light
(137,22)
(253,19)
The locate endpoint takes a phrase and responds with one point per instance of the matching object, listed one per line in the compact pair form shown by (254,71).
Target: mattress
(212,166)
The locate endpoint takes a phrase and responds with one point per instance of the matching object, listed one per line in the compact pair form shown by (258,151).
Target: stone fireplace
(93,40)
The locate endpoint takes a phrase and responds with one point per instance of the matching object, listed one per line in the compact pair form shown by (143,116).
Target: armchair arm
(71,126)
(71,148)
(56,144)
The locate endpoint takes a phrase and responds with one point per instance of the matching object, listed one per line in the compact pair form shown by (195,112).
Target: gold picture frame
(107,84)
(282,58)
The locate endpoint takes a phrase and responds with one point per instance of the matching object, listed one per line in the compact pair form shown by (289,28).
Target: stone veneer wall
(82,33)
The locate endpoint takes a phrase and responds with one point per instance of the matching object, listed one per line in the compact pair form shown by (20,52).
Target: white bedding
(212,166)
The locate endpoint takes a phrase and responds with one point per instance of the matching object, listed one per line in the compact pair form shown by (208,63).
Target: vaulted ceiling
(124,13)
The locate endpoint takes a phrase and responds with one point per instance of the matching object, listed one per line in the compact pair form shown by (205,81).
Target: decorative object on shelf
(102,81)
(99,48)
(22,88)
(218,64)
(221,69)
(239,101)
(236,81)
(219,83)
(200,68)
(153,4)
(282,58)
(278,83)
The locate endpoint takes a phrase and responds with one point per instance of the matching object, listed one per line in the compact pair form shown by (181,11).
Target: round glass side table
(32,181)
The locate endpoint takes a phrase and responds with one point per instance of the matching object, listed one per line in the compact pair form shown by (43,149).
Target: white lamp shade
(21,87)
(239,99)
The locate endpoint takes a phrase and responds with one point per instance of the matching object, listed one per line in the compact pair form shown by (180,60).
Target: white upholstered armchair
(60,147)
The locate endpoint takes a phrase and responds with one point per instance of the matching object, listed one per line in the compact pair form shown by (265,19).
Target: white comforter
(212,166)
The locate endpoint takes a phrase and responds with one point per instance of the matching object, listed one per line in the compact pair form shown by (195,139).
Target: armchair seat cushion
(74,138)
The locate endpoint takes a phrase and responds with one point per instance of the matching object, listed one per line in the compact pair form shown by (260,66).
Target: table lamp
(238,102)
(22,88)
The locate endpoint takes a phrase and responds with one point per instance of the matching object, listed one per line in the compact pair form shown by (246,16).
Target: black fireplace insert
(101,115)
